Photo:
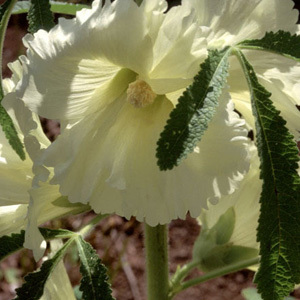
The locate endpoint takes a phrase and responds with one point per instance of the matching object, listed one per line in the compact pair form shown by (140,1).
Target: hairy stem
(157,262)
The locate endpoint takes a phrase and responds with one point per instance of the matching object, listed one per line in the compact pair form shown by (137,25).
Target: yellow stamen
(140,94)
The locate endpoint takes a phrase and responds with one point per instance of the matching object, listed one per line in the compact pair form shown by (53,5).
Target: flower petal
(245,202)
(17,177)
(109,161)
(78,59)
(280,76)
(12,218)
(45,205)
(58,286)
(231,22)
(174,41)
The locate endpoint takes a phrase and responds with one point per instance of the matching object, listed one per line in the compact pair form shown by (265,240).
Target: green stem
(181,273)
(5,14)
(215,273)
(90,225)
(156,243)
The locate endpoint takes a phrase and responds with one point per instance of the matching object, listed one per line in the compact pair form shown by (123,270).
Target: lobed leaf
(279,222)
(14,243)
(94,283)
(195,109)
(280,42)
(11,244)
(33,288)
(40,16)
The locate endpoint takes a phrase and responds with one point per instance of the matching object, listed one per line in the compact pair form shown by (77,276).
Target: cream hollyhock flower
(17,176)
(111,76)
(226,23)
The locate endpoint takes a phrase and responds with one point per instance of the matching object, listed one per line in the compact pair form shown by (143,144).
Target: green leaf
(11,132)
(281,42)
(225,226)
(252,294)
(11,244)
(33,288)
(195,109)
(94,283)
(66,8)
(55,6)
(40,16)
(5,120)
(279,222)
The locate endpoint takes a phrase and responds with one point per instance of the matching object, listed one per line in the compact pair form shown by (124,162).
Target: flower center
(140,94)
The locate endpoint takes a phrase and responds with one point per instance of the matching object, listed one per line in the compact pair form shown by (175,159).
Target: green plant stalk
(84,231)
(156,244)
(4,23)
(214,274)
(181,273)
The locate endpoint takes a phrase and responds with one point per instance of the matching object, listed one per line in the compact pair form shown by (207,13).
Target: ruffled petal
(228,229)
(71,71)
(45,204)
(231,22)
(64,75)
(17,178)
(79,58)
(278,75)
(12,218)
(245,203)
(174,41)
(109,161)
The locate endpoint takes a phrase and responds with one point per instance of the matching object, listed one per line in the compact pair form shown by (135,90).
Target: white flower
(111,76)
(17,176)
(230,22)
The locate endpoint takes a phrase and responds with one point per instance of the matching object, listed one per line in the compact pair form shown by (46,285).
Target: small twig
(130,277)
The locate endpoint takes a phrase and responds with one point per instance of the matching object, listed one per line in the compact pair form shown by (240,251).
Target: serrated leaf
(4,8)
(94,283)
(279,222)
(11,132)
(5,120)
(33,288)
(11,244)
(280,42)
(40,16)
(195,109)
(55,6)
